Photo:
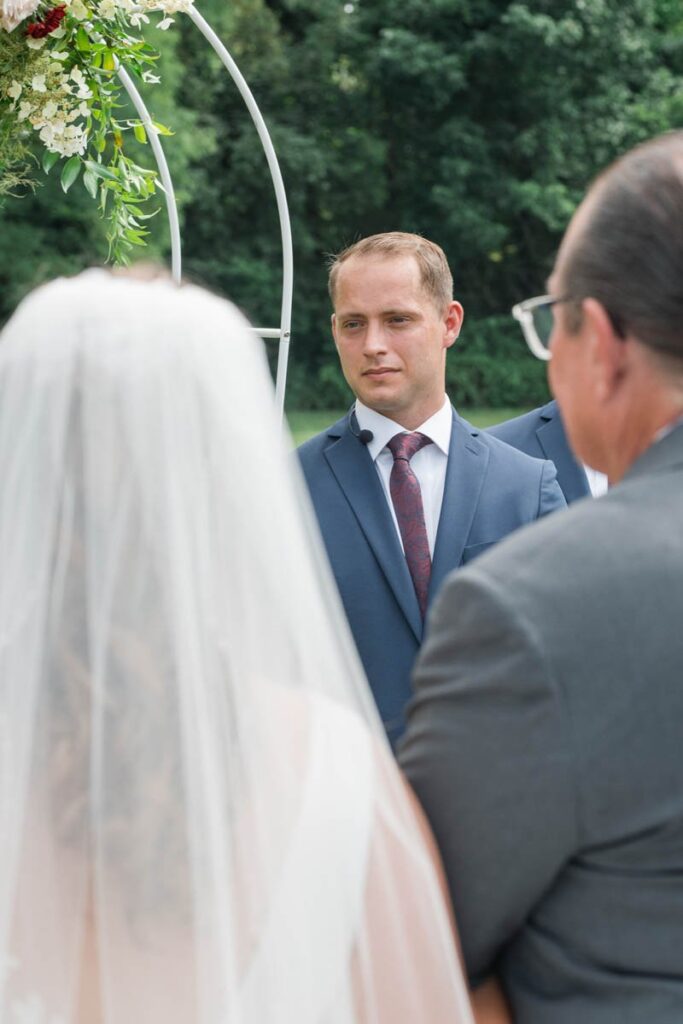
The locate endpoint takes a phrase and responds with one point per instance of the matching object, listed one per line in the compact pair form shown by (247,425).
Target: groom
(404,489)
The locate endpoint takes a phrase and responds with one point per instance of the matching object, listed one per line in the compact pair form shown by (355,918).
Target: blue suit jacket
(541,433)
(490,490)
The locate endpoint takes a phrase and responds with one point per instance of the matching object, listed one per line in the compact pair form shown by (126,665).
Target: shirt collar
(668,428)
(437,428)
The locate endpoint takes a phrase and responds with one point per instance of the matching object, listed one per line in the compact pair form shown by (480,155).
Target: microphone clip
(364,436)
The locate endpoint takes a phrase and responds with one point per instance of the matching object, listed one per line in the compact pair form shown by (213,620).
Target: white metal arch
(283,332)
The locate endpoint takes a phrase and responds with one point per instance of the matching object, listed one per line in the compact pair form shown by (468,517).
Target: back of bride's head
(151,655)
(188,776)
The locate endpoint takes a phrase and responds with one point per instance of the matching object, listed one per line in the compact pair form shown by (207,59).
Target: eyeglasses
(536,320)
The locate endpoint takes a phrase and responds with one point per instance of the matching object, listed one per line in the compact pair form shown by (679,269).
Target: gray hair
(629,253)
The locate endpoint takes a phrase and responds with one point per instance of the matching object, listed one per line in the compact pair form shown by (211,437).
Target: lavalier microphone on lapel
(364,436)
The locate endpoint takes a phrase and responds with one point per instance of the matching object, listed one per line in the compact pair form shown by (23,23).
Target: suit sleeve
(551,497)
(488,753)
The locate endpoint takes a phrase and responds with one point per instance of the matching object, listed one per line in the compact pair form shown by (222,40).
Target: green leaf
(70,171)
(139,132)
(90,182)
(49,160)
(162,129)
(101,171)
(135,237)
(82,40)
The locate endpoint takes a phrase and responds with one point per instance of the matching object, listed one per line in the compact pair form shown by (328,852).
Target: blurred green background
(477,123)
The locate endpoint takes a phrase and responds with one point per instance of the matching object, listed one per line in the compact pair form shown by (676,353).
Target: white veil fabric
(200,819)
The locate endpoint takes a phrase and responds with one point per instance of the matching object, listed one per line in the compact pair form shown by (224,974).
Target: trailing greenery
(15,152)
(477,123)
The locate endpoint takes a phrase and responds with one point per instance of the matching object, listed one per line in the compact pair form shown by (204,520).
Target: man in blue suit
(541,433)
(404,489)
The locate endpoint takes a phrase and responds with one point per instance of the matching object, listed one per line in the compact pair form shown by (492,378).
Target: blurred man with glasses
(546,732)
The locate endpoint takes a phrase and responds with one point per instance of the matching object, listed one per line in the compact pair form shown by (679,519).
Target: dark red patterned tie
(407,499)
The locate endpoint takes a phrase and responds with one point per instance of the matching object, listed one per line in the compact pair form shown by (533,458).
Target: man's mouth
(379,371)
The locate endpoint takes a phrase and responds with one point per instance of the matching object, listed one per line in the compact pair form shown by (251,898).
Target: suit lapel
(572,477)
(355,473)
(467,461)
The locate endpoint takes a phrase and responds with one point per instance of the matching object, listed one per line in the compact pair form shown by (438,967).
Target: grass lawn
(304,424)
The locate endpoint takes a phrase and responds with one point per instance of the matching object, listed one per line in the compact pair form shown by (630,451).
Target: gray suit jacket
(545,742)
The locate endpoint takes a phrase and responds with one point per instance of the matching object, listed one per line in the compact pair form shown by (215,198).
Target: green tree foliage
(477,123)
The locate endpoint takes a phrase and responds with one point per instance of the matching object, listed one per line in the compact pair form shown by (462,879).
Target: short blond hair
(435,274)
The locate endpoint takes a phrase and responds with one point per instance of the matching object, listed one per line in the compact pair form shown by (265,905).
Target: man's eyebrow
(382,312)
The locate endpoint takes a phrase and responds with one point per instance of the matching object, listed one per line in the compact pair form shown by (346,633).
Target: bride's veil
(200,821)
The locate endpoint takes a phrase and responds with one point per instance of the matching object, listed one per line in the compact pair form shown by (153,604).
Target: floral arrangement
(59,86)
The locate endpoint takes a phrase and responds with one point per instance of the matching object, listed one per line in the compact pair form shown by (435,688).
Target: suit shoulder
(552,546)
(517,476)
(504,453)
(520,426)
(309,451)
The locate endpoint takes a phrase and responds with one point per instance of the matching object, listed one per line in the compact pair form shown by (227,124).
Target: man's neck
(412,419)
(654,421)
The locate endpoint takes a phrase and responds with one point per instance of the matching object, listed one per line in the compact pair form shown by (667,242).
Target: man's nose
(375,338)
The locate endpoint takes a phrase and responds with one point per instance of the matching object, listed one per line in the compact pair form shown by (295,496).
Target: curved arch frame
(283,333)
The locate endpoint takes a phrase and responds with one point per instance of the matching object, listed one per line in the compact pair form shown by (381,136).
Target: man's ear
(609,354)
(453,319)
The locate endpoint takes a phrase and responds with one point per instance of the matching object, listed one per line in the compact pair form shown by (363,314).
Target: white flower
(36,44)
(168,6)
(74,141)
(107,9)
(47,135)
(165,23)
(24,111)
(14,91)
(78,10)
(82,91)
(50,109)
(38,83)
(59,54)
(150,78)
(80,111)
(14,11)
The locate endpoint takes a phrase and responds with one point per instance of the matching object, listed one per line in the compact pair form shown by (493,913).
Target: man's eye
(399,320)
(351,325)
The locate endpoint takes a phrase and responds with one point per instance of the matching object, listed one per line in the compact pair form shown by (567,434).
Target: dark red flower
(51,21)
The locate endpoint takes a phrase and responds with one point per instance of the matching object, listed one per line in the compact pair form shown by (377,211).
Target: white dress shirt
(597,481)
(429,464)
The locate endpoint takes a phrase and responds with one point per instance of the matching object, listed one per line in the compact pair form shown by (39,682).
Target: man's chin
(384,406)
(380,396)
